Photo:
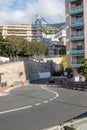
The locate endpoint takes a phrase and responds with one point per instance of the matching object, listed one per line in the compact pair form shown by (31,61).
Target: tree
(36,48)
(69,71)
(2,45)
(1,37)
(15,45)
(83,69)
(12,46)
(41,48)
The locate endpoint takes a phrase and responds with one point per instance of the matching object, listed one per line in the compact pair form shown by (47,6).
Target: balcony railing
(73,0)
(76,10)
(77,23)
(77,63)
(77,52)
(77,36)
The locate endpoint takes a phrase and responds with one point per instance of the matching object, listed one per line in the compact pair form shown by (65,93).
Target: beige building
(31,32)
(76,28)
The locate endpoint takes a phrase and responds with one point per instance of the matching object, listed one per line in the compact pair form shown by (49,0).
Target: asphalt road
(37,107)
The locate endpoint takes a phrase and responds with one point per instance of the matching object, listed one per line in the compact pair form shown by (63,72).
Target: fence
(74,85)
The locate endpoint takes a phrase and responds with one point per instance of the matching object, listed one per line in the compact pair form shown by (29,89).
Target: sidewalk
(78,124)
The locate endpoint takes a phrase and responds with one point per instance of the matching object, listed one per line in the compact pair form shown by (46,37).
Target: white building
(61,36)
(31,32)
(58,38)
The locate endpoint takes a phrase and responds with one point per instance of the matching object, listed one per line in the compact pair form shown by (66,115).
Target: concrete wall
(11,72)
(27,70)
(56,61)
(32,68)
(21,71)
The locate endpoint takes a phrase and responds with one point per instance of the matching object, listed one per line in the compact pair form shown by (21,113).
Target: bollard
(13,84)
(22,83)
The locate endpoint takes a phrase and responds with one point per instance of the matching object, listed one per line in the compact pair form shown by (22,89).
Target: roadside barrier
(22,83)
(81,86)
(13,84)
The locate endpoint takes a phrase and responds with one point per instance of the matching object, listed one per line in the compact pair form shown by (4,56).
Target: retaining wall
(22,71)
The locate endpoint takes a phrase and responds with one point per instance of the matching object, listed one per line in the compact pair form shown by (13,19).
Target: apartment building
(76,29)
(31,32)
(61,35)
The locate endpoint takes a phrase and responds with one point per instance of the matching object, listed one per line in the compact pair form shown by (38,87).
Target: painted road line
(45,101)
(37,104)
(54,97)
(3,94)
(7,91)
(13,110)
(50,91)
(51,99)
(26,107)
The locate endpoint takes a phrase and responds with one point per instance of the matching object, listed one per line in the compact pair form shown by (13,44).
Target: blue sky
(24,11)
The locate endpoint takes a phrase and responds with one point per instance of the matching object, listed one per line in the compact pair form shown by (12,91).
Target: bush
(69,70)
(57,73)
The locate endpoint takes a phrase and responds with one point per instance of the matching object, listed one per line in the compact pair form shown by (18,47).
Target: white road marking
(54,97)
(45,101)
(51,99)
(17,109)
(51,92)
(3,94)
(37,104)
(6,92)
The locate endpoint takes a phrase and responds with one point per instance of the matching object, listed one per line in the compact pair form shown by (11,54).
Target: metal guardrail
(74,85)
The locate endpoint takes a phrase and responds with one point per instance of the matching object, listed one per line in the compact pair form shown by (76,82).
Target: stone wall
(21,71)
(12,72)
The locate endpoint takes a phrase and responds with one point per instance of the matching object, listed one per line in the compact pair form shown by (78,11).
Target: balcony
(77,52)
(76,10)
(73,0)
(77,64)
(77,23)
(77,36)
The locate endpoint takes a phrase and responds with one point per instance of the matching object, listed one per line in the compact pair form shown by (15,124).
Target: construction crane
(38,17)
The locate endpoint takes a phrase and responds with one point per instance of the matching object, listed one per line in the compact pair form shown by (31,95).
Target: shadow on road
(25,95)
(39,81)
(82,115)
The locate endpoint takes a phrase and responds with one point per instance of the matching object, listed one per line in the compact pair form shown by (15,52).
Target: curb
(76,123)
(7,91)
(3,94)
(75,88)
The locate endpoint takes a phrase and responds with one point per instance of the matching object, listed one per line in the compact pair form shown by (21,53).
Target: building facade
(76,29)
(61,35)
(58,38)
(31,32)
(55,50)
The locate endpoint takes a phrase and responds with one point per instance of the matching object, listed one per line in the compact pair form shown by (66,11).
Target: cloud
(24,11)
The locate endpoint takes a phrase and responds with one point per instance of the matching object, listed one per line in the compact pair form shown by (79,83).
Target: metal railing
(74,85)
(76,8)
(78,34)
